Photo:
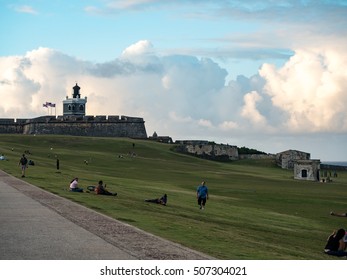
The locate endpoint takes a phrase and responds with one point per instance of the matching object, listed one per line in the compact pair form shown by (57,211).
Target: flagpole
(50,104)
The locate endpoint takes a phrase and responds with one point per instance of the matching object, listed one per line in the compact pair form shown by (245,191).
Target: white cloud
(129,4)
(205,123)
(25,9)
(311,89)
(142,47)
(176,118)
(228,126)
(185,96)
(250,111)
(16,89)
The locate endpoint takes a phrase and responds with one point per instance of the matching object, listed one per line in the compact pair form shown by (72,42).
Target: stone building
(287,159)
(307,170)
(161,139)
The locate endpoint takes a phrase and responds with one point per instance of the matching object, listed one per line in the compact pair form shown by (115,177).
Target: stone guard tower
(75,106)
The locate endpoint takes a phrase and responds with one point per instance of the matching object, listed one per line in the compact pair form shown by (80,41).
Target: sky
(268,75)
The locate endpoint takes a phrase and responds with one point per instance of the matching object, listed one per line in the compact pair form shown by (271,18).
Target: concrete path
(38,225)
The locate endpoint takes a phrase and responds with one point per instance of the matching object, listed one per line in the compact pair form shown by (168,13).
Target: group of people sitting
(101,189)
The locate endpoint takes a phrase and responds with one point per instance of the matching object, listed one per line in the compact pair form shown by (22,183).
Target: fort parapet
(12,126)
(208,150)
(100,126)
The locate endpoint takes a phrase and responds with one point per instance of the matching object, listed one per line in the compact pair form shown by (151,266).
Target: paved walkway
(38,225)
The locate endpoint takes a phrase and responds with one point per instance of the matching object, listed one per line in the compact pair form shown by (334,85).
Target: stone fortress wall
(100,126)
(208,150)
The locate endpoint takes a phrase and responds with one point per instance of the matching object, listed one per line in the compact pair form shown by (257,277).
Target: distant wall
(208,150)
(332,167)
(12,126)
(257,156)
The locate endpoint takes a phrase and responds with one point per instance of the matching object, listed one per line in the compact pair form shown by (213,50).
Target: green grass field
(255,211)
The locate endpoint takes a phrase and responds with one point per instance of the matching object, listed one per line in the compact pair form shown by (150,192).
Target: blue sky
(269,75)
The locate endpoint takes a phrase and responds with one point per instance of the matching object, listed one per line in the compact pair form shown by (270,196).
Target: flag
(49,104)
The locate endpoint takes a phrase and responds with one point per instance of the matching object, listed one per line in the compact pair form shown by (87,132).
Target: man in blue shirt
(202,195)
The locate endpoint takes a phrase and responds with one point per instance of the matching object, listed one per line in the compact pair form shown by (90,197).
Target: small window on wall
(73,107)
(304,173)
(69,107)
(81,107)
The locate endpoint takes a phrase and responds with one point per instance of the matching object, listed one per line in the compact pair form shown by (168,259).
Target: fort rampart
(257,156)
(208,150)
(100,126)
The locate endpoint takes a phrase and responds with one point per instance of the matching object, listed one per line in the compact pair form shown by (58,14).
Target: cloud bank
(186,97)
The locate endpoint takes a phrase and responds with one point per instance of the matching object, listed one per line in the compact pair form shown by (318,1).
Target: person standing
(202,195)
(23,162)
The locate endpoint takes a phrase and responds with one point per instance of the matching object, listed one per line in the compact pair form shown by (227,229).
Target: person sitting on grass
(74,186)
(101,189)
(336,243)
(162,200)
(338,214)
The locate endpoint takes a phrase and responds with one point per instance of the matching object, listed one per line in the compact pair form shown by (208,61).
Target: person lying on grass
(162,200)
(338,214)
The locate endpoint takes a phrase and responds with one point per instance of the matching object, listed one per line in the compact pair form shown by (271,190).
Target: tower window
(69,107)
(81,107)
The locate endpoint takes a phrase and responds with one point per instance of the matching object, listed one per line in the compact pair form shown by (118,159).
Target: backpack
(23,161)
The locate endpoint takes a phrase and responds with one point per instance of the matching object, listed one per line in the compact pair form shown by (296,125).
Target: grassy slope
(255,211)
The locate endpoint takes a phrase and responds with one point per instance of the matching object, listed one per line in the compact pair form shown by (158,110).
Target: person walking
(23,163)
(202,195)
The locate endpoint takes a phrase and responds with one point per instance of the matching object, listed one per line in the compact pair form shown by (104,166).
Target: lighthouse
(75,106)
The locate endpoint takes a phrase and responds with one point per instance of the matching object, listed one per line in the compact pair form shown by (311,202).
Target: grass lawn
(255,211)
